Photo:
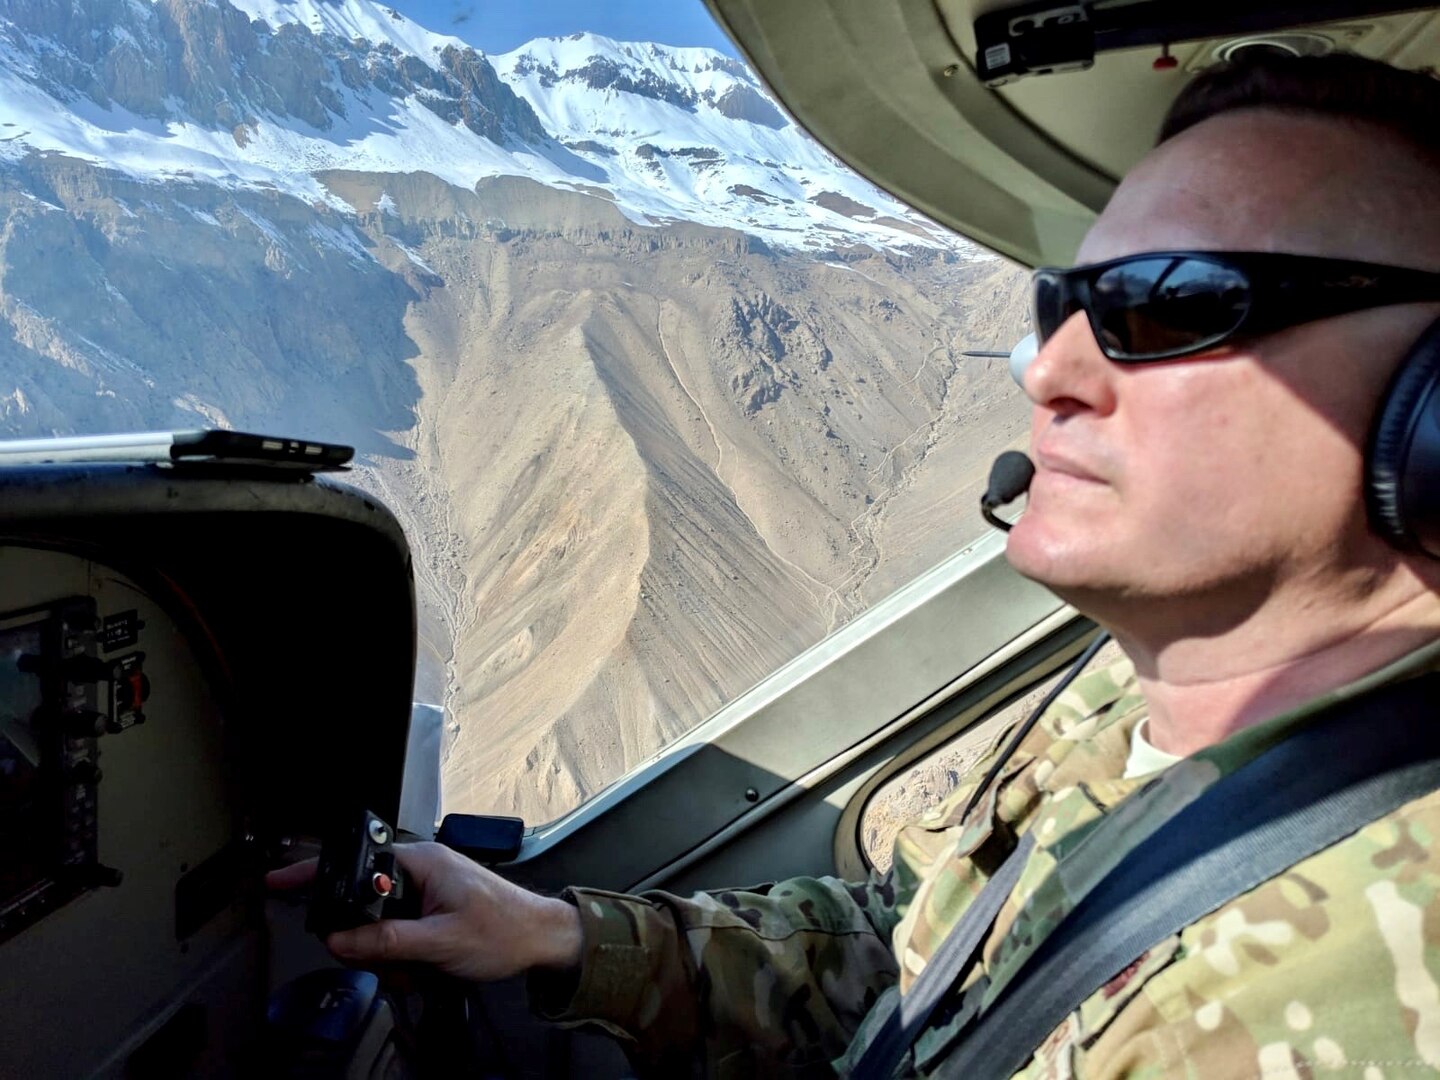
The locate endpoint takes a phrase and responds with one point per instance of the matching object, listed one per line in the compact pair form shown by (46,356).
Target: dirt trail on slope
(806,580)
(932,508)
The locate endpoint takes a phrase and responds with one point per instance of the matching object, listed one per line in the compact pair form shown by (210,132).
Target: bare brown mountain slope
(641,466)
(670,459)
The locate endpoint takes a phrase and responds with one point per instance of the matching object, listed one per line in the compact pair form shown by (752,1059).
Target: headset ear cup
(1402,461)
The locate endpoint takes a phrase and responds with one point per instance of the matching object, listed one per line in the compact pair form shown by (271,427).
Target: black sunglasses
(1163,304)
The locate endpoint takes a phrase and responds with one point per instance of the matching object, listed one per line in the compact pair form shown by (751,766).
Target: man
(1208,511)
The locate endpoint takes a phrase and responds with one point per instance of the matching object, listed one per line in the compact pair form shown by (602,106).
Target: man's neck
(1201,690)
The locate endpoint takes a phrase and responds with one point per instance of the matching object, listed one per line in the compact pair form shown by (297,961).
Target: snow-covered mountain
(265,94)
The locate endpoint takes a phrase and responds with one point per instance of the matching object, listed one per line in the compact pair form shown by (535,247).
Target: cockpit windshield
(661,391)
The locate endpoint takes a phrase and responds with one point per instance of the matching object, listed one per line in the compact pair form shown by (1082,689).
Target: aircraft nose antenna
(1020,356)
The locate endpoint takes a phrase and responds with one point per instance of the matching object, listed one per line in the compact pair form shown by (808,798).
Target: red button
(382,884)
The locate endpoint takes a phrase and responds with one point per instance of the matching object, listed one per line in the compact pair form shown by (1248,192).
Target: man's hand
(473,924)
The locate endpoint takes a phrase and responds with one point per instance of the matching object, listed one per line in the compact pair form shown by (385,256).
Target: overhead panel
(1110,115)
(890,87)
(885,88)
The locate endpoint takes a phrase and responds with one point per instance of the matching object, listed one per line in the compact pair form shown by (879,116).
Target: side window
(931,780)
(917,788)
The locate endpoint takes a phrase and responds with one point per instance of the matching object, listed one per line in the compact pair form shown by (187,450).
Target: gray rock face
(130,306)
(603,73)
(742,103)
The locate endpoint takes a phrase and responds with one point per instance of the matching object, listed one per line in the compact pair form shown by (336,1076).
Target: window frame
(808,726)
(955,717)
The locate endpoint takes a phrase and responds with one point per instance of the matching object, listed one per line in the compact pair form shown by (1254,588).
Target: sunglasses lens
(1052,303)
(1145,308)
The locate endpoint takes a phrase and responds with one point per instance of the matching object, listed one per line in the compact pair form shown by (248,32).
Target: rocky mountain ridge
(267,93)
(199,63)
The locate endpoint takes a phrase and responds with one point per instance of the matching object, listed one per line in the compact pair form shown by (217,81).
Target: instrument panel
(122,889)
(201,666)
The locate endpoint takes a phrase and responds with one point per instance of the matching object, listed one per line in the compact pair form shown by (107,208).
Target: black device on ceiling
(1048,38)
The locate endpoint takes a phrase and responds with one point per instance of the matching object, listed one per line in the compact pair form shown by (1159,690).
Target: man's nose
(1070,373)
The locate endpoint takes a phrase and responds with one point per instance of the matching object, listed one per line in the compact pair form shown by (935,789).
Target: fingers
(388,941)
(420,861)
(295,876)
(424,862)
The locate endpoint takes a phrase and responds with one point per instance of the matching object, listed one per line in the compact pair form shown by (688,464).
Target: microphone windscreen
(1010,477)
(1022,356)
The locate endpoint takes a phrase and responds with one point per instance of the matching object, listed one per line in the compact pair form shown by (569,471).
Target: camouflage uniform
(1329,968)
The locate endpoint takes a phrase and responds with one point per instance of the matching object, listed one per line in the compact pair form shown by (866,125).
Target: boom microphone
(1010,478)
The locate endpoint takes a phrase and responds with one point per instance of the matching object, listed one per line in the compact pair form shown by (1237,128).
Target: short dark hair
(1340,84)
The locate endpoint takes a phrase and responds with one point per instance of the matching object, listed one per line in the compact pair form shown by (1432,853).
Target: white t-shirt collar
(1144,758)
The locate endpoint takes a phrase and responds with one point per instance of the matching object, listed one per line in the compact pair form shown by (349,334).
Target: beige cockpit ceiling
(890,87)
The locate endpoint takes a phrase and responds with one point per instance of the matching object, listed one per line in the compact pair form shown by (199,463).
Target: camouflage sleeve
(776,980)
(730,983)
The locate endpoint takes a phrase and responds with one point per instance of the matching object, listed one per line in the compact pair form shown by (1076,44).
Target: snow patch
(265,225)
(214,417)
(414,257)
(342,239)
(48,206)
(113,361)
(16,404)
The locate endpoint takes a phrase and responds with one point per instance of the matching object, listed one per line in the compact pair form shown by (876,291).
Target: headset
(1402,457)
(1402,453)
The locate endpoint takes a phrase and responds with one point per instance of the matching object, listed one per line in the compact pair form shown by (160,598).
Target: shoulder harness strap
(1359,761)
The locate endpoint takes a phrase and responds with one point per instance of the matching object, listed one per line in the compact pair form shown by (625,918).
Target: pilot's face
(1226,476)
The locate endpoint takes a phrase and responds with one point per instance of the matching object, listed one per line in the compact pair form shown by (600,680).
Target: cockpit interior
(208,645)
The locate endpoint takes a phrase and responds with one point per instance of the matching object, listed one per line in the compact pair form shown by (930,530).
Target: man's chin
(1058,558)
